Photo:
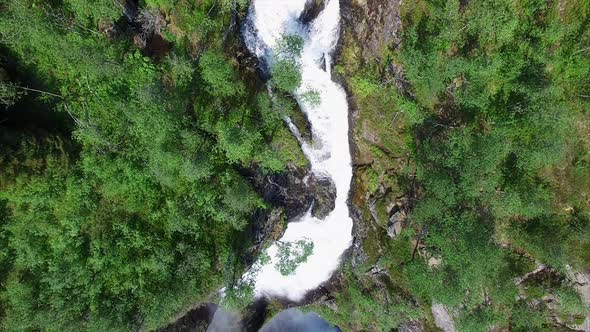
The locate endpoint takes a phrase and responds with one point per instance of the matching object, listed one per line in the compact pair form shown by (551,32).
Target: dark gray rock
(263,224)
(296,190)
(130,9)
(194,320)
(312,9)
(288,189)
(323,62)
(324,197)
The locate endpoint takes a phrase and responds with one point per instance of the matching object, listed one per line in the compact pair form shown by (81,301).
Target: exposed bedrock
(312,9)
(296,190)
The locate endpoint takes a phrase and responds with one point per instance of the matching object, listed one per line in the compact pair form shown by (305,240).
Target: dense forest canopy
(126,129)
(491,100)
(500,91)
(131,205)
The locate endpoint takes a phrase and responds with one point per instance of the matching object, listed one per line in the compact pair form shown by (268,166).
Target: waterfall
(268,21)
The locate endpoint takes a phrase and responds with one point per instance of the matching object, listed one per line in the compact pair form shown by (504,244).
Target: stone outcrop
(581,281)
(297,190)
(411,326)
(130,9)
(324,198)
(312,9)
(266,225)
(442,318)
(369,29)
(150,40)
(377,25)
(196,319)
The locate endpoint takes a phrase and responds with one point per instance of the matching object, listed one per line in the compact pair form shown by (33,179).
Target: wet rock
(323,62)
(265,225)
(297,190)
(302,124)
(312,9)
(197,319)
(130,9)
(324,198)
(289,189)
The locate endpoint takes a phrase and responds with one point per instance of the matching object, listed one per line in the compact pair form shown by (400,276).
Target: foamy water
(328,153)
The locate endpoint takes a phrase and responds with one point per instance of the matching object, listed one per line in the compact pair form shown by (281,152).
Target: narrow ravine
(328,153)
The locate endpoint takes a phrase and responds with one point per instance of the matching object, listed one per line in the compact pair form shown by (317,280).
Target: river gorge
(328,151)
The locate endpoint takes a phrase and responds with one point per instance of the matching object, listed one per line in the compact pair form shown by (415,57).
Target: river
(328,152)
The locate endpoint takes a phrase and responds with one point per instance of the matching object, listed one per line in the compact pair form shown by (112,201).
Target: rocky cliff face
(297,190)
(371,29)
(374,25)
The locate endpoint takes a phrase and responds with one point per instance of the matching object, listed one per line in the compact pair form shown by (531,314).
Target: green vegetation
(124,139)
(132,207)
(291,254)
(495,117)
(240,293)
(360,306)
(486,133)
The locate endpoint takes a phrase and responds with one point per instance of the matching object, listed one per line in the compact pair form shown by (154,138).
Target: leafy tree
(127,216)
(291,254)
(286,71)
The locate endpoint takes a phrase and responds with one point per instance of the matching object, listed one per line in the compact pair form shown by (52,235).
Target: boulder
(394,224)
(297,190)
(150,23)
(266,224)
(290,189)
(442,318)
(312,9)
(324,197)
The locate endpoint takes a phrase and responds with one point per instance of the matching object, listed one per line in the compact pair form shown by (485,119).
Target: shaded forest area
(124,128)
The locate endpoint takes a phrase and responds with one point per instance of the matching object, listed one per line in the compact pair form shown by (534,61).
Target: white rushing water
(329,152)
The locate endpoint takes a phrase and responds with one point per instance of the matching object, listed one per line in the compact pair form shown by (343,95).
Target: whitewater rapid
(328,153)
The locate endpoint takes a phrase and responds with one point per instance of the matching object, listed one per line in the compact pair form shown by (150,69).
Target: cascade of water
(329,155)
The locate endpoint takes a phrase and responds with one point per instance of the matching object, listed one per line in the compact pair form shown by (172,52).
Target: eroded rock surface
(312,9)
(324,198)
(377,25)
(297,190)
